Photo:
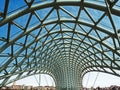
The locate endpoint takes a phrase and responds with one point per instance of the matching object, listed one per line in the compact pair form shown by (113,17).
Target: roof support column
(70,80)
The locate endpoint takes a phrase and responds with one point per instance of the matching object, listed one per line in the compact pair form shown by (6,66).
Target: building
(23,87)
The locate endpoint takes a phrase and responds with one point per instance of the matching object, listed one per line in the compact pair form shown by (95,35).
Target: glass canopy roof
(63,38)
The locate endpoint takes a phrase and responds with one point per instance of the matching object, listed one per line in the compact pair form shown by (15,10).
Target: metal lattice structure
(62,38)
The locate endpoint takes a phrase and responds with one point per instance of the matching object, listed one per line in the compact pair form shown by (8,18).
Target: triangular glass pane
(3,31)
(84,17)
(21,41)
(23,53)
(117,57)
(85,28)
(53,15)
(92,41)
(98,46)
(38,44)
(116,20)
(33,21)
(7,50)
(22,21)
(81,36)
(106,24)
(65,26)
(86,39)
(43,12)
(15,31)
(109,42)
(16,48)
(80,29)
(71,25)
(35,32)
(3,60)
(13,5)
(43,40)
(19,59)
(64,14)
(43,31)
(29,39)
(33,46)
(49,38)
(117,42)
(116,64)
(56,28)
(94,34)
(118,3)
(50,27)
(95,14)
(75,36)
(108,62)
(69,34)
(54,35)
(2,5)
(29,51)
(72,9)
(102,34)
(98,55)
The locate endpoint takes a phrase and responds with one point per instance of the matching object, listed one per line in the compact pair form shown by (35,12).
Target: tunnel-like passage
(63,38)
